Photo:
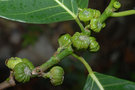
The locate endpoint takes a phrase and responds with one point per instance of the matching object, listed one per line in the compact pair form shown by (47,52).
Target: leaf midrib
(66,8)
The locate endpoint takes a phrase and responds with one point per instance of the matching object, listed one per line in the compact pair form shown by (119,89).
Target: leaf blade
(109,83)
(37,11)
(82,3)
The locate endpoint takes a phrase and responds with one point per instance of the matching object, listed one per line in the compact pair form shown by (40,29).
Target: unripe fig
(80,41)
(11,62)
(56,75)
(96,25)
(96,13)
(64,40)
(94,46)
(26,61)
(86,14)
(22,72)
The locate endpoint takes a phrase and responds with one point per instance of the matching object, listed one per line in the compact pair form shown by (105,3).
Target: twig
(91,73)
(123,13)
(10,82)
(56,59)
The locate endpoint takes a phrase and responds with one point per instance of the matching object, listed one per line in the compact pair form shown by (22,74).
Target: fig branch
(96,24)
(56,59)
(9,82)
(89,69)
(109,10)
(123,13)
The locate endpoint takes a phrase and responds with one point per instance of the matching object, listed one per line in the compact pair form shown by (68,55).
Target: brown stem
(8,83)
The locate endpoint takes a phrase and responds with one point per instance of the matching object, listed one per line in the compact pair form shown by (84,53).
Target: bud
(64,40)
(116,4)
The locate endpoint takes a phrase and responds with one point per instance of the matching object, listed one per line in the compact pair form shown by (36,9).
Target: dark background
(116,56)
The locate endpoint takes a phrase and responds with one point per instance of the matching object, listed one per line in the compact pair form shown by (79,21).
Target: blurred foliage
(31,35)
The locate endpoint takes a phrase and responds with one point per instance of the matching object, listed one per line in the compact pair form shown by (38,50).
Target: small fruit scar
(27,71)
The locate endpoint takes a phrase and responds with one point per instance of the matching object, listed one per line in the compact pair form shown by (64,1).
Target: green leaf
(109,83)
(38,11)
(82,3)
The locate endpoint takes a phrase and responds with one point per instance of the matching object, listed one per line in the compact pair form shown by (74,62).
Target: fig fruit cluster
(22,68)
(80,41)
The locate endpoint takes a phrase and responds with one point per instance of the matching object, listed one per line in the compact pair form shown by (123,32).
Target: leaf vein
(92,84)
(105,77)
(79,1)
(26,13)
(72,6)
(55,15)
(67,9)
(115,84)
